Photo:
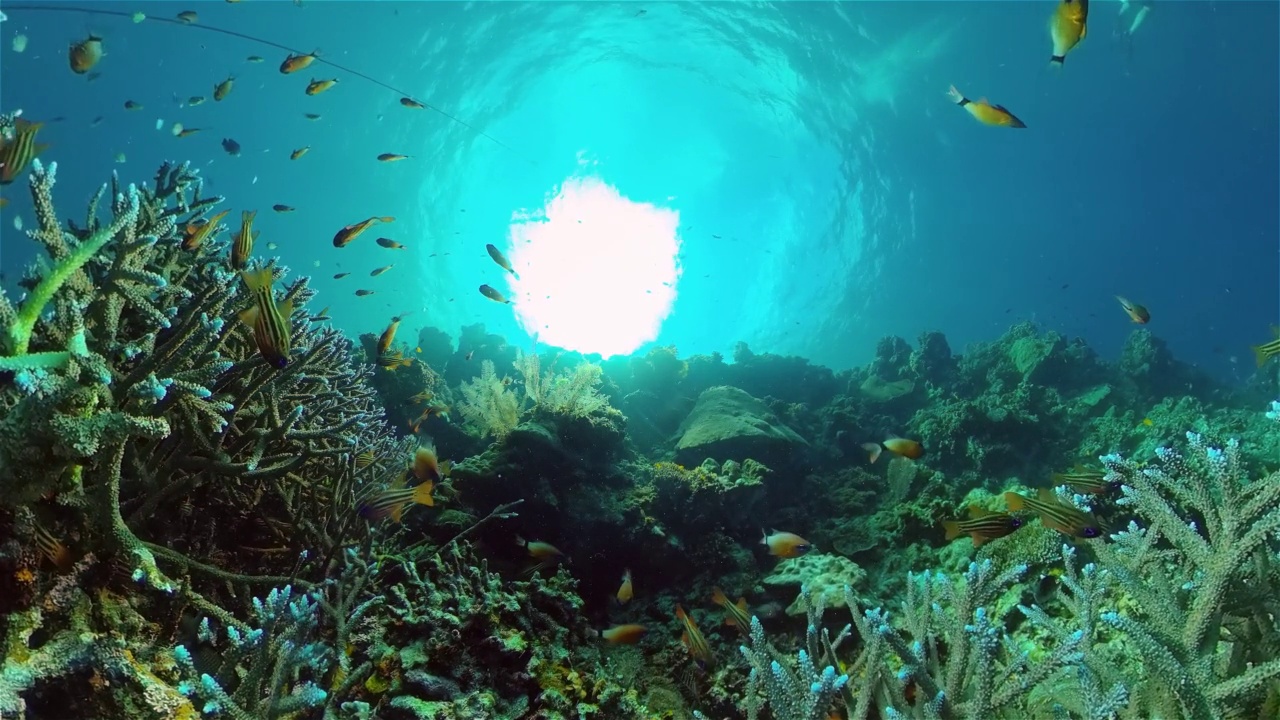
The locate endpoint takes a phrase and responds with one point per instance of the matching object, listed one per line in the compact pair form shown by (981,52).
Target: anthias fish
(784,544)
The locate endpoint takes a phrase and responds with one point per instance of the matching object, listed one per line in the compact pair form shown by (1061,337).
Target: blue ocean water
(828,192)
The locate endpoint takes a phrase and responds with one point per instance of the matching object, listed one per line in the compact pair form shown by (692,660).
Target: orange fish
(784,544)
(493,294)
(315,87)
(294,63)
(411,103)
(694,640)
(391,360)
(622,634)
(52,548)
(392,157)
(195,234)
(299,152)
(17,153)
(1136,312)
(270,323)
(737,614)
(1264,352)
(85,54)
(351,232)
(984,112)
(905,448)
(624,591)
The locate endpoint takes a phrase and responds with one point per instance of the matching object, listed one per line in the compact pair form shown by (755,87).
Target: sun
(597,271)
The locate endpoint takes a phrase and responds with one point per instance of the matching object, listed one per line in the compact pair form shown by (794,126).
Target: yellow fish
(984,112)
(270,323)
(242,246)
(221,89)
(1067,27)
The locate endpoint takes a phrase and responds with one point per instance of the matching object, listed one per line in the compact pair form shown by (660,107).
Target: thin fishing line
(278,46)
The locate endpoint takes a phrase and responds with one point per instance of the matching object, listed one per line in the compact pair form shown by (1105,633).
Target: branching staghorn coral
(138,395)
(1201,574)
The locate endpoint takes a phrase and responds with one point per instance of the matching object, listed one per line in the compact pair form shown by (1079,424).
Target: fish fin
(40,148)
(256,233)
(978,539)
(1015,501)
(1047,495)
(1057,60)
(952,527)
(397,511)
(730,621)
(718,596)
(422,495)
(1058,479)
(521,542)
(286,309)
(680,615)
(742,604)
(684,640)
(977,511)
(1259,355)
(256,280)
(249,317)
(764,537)
(387,219)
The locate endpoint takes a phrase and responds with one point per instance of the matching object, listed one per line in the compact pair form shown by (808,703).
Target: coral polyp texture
(190,527)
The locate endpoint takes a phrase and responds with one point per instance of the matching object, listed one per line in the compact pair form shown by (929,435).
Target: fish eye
(1092,532)
(280,363)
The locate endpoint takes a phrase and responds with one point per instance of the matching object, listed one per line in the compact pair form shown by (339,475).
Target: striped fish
(693,639)
(1086,480)
(735,613)
(1264,352)
(982,525)
(391,503)
(243,245)
(270,323)
(1056,514)
(194,235)
(365,459)
(17,153)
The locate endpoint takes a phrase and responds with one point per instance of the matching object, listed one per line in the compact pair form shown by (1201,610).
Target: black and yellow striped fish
(17,153)
(694,640)
(1086,480)
(391,503)
(735,613)
(1056,514)
(365,459)
(982,525)
(1264,352)
(270,323)
(242,247)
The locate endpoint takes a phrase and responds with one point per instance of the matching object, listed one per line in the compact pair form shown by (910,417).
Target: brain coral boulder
(728,424)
